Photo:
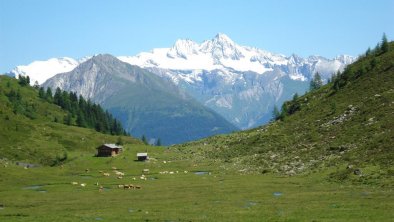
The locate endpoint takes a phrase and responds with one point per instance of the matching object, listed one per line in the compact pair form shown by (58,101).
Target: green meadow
(196,191)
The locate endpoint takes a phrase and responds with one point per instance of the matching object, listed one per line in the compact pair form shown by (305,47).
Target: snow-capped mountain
(145,103)
(241,83)
(40,71)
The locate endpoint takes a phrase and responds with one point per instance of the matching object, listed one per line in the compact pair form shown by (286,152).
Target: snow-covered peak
(222,47)
(40,71)
(222,53)
(182,48)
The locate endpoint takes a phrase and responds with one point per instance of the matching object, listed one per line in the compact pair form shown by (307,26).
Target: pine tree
(81,120)
(49,95)
(57,98)
(41,93)
(295,97)
(384,45)
(316,82)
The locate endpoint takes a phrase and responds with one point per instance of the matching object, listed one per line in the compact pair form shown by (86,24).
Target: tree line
(85,113)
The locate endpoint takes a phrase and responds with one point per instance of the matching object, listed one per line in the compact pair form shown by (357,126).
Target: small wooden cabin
(142,156)
(107,150)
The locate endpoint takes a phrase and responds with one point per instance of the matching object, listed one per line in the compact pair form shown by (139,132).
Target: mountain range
(146,104)
(241,83)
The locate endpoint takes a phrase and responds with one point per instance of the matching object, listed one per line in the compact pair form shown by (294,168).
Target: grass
(223,195)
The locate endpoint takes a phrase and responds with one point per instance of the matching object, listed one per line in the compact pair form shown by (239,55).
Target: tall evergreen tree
(49,95)
(57,98)
(81,119)
(384,45)
(41,93)
(316,82)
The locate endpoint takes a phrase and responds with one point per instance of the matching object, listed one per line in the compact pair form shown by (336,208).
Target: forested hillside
(40,128)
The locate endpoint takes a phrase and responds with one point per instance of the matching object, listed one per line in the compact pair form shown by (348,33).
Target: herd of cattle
(120,175)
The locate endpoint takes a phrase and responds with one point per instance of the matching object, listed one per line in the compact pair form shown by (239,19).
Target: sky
(41,29)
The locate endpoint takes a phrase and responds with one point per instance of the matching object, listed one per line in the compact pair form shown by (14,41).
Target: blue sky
(42,29)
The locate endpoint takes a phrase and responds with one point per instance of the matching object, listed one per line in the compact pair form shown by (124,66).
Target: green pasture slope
(316,164)
(46,193)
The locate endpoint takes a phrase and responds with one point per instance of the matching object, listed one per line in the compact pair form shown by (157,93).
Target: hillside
(344,128)
(145,103)
(32,129)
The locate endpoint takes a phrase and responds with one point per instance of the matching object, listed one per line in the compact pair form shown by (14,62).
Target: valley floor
(179,190)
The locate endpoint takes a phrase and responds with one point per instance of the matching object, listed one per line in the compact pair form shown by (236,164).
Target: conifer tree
(384,45)
(41,93)
(49,95)
(316,82)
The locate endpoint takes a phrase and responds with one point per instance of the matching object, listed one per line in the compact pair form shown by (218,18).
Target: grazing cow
(101,189)
(74,183)
(83,184)
(120,186)
(137,187)
(119,173)
(106,174)
(119,177)
(128,186)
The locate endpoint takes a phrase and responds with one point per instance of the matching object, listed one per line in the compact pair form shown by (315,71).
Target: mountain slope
(145,103)
(345,127)
(30,130)
(241,83)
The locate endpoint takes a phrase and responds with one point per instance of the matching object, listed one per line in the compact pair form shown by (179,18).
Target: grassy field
(47,193)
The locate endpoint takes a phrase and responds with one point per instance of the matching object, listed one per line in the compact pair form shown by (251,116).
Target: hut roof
(112,146)
(142,154)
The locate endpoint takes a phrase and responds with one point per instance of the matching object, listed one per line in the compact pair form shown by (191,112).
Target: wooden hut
(142,156)
(107,150)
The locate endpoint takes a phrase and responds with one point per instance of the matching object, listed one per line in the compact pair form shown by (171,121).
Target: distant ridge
(145,103)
